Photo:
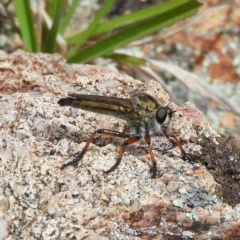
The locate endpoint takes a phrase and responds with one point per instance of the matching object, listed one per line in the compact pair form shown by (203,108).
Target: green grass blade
(24,16)
(126,59)
(67,19)
(50,40)
(131,18)
(51,6)
(137,31)
(84,35)
(139,15)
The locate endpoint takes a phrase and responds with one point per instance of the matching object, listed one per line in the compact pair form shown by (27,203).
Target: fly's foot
(112,168)
(153,171)
(105,174)
(73,163)
(192,157)
(187,157)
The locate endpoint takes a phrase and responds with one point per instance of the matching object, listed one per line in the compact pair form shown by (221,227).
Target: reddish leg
(172,139)
(131,139)
(154,166)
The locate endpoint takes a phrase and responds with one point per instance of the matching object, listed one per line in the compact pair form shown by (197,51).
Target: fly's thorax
(144,102)
(144,107)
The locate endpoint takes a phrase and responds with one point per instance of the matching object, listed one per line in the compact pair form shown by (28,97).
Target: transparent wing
(118,107)
(102,99)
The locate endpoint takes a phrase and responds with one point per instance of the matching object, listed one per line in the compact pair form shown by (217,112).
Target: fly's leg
(154,165)
(76,160)
(174,140)
(129,141)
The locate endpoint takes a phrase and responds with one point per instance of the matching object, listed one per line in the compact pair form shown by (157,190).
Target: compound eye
(163,115)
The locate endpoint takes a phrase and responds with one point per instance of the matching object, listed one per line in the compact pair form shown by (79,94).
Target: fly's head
(164,115)
(160,121)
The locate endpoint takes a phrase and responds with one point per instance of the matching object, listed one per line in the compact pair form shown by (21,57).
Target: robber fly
(144,114)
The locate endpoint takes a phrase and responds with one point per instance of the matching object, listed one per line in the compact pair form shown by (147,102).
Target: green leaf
(135,16)
(24,16)
(67,19)
(130,18)
(49,44)
(51,6)
(126,59)
(137,31)
(84,35)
